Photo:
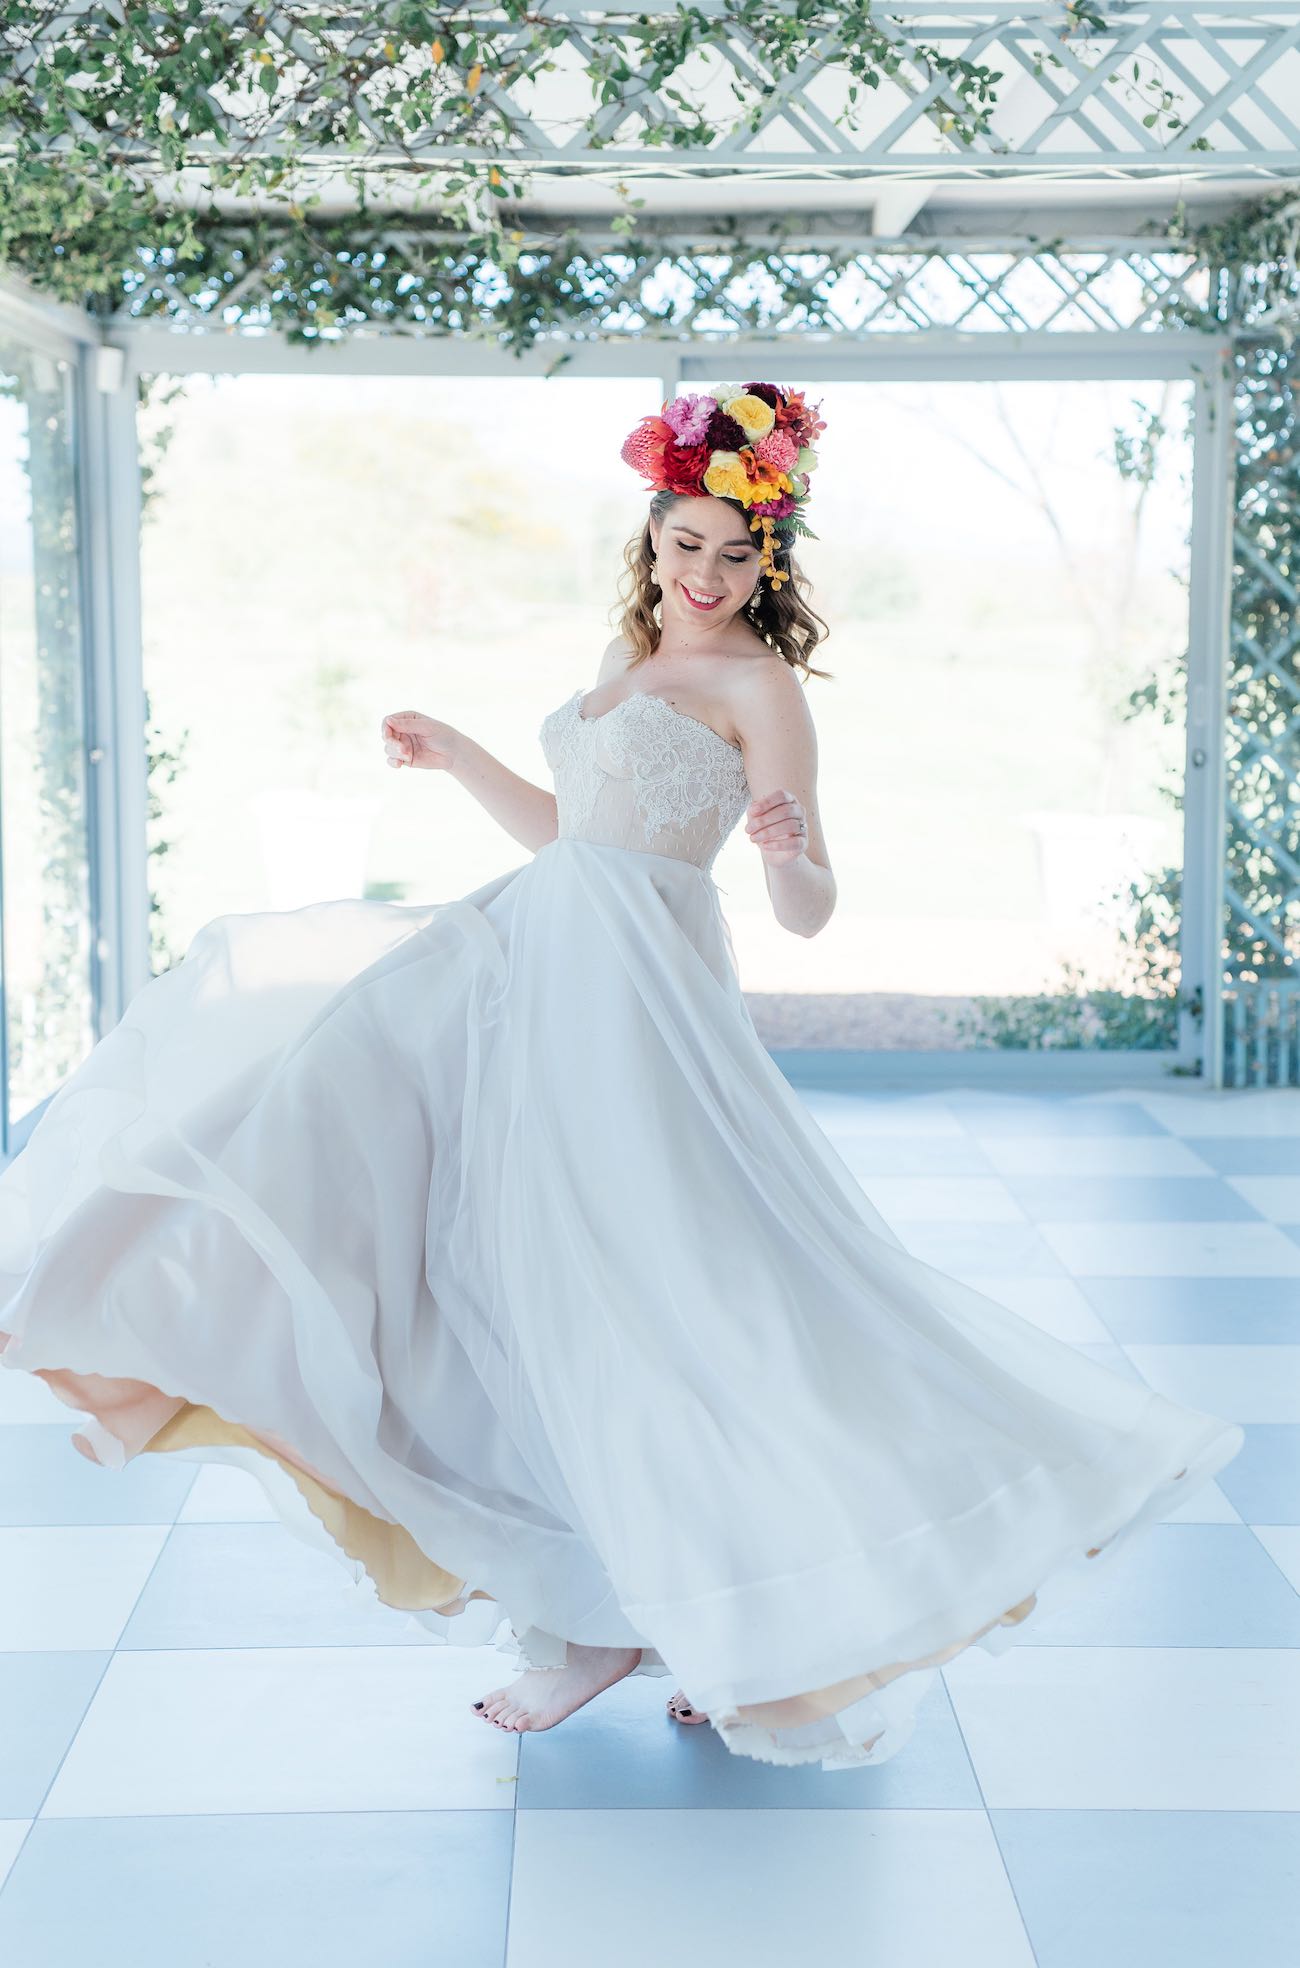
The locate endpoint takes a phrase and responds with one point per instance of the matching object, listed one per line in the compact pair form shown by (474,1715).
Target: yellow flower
(755,417)
(726,478)
(439,52)
(473,78)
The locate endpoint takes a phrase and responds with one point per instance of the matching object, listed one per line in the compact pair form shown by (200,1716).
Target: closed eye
(737,560)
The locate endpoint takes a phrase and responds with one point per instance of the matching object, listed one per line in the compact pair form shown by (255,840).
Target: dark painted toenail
(478,1704)
(686,1711)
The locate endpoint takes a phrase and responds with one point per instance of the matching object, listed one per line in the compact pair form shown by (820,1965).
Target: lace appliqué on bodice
(644,776)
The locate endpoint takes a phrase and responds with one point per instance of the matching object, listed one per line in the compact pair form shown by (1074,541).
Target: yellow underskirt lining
(404,1577)
(408,1580)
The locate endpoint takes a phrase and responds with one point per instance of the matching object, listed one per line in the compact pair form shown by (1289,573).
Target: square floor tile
(1208,1505)
(1247,1154)
(861,1114)
(75,1587)
(1130,1199)
(986,1114)
(1179,1585)
(1197,1311)
(1155,1889)
(624,1752)
(397,1889)
(1131,1728)
(12,1833)
(1172,1250)
(769,1889)
(1282,1543)
(943,1198)
(45,1480)
(26,1400)
(222,1494)
(1241,1383)
(1256,1111)
(289,1729)
(954,1154)
(1262,1481)
(1110,1155)
(1275,1196)
(43,1698)
(256,1585)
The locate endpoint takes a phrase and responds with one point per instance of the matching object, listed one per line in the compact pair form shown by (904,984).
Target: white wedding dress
(487,1234)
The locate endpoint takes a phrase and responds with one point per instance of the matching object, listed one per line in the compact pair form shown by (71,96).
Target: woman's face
(706,562)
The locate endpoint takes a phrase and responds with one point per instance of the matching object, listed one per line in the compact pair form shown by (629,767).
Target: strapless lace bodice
(644,776)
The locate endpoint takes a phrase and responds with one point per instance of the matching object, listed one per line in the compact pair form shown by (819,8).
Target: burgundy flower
(724,433)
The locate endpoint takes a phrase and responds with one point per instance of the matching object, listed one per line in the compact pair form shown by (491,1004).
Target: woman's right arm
(528,813)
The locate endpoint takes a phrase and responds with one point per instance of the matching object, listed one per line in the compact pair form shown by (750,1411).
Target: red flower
(652,449)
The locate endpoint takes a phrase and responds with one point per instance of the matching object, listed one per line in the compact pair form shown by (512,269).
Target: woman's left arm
(779,743)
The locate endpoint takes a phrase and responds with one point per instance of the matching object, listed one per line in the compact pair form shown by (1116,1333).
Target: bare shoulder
(614,659)
(769,699)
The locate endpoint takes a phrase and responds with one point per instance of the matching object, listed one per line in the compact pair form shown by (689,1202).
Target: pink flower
(778,448)
(689,417)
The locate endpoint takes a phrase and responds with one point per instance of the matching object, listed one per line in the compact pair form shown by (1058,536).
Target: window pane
(999,592)
(43,838)
(321,551)
(324,549)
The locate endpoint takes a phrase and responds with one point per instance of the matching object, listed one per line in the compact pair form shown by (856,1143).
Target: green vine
(264,104)
(416,111)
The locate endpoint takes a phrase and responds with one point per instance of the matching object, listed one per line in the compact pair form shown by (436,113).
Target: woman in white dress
(488,1235)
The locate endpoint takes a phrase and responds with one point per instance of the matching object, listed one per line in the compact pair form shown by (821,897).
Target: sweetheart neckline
(579,697)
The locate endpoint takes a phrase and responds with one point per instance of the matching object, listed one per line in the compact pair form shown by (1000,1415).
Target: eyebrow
(679,528)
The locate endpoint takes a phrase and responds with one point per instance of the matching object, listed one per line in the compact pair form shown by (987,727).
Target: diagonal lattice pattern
(291,94)
(972,88)
(321,281)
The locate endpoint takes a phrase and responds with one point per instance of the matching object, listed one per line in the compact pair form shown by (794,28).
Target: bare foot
(545,1695)
(679,1707)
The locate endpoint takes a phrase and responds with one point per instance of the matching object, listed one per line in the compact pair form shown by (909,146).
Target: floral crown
(747,441)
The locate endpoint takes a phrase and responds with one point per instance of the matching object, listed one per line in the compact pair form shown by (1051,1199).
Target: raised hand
(410,738)
(777,824)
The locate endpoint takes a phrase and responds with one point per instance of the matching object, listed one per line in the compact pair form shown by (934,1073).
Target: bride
(489,1237)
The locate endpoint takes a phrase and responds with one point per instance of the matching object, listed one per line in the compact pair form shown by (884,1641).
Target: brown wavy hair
(783,616)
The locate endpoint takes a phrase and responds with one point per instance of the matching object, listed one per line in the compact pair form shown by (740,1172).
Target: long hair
(782,616)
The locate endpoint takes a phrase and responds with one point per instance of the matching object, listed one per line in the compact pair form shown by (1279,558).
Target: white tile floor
(193,1703)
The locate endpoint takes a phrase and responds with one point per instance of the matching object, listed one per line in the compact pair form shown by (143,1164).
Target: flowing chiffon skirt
(489,1237)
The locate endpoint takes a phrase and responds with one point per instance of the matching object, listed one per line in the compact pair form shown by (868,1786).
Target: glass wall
(318,552)
(45,926)
(1003,568)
